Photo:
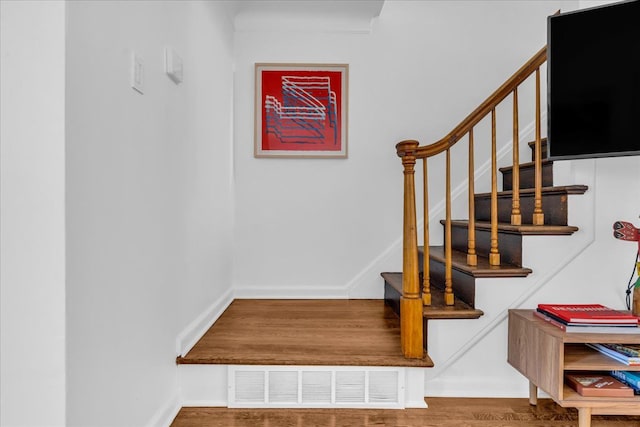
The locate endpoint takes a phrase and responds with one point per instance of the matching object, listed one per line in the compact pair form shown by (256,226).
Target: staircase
(555,208)
(438,282)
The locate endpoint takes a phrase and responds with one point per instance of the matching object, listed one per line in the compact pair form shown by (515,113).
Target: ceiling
(303,15)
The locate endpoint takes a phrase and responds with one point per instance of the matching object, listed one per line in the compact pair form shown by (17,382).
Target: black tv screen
(593,82)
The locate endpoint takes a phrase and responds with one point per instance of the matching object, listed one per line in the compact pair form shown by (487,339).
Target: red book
(588,314)
(590,328)
(597,385)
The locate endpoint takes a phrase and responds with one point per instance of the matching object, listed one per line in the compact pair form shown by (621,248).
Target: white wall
(32,239)
(313,227)
(583,4)
(149,199)
(602,271)
(590,267)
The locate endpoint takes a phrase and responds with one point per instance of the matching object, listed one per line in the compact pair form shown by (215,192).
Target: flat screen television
(593,82)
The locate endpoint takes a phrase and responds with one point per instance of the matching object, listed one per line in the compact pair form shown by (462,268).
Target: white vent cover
(315,387)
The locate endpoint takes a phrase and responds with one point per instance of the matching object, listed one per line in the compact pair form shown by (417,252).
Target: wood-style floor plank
(442,412)
(303,332)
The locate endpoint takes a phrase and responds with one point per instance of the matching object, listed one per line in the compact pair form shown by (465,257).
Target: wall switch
(173,65)
(137,73)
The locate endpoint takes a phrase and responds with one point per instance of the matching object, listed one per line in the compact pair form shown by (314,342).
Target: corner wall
(32,214)
(149,200)
(311,228)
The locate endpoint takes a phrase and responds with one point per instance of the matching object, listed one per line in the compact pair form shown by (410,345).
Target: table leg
(533,394)
(584,417)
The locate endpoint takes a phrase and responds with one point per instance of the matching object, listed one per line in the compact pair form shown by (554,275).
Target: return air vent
(315,387)
(350,386)
(249,386)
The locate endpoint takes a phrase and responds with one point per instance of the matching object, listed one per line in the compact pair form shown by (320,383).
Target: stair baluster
(538,215)
(494,254)
(448,284)
(426,286)
(516,215)
(472,256)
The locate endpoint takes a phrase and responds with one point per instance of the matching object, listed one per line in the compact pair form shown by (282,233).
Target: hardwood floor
(345,332)
(442,412)
(303,332)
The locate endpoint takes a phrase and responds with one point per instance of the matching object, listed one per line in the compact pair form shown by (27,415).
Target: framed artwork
(301,110)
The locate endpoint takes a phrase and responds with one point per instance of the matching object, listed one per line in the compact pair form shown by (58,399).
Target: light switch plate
(173,65)
(137,73)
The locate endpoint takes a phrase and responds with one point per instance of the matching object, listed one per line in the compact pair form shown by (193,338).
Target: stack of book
(629,354)
(588,318)
(629,378)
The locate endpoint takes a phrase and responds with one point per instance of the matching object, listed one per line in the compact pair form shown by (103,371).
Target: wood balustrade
(413,298)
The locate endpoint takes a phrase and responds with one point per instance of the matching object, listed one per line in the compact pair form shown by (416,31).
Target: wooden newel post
(410,303)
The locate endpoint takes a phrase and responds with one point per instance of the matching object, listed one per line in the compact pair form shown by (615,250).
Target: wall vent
(315,387)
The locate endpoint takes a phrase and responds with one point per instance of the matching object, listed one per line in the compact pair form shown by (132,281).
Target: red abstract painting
(301,110)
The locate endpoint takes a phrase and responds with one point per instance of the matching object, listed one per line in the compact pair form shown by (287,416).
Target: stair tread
(438,309)
(524,229)
(564,189)
(482,270)
(525,165)
(543,141)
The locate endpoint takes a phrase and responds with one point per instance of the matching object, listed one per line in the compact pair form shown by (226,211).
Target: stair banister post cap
(407,147)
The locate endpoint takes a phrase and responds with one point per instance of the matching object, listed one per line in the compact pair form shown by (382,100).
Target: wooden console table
(542,353)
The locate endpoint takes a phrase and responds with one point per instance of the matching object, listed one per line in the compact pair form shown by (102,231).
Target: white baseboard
(197,328)
(477,387)
(167,413)
(203,385)
(269,292)
(204,404)
(414,388)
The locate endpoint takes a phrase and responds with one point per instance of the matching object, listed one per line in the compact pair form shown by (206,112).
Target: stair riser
(554,207)
(392,299)
(509,244)
(528,177)
(464,285)
(532,146)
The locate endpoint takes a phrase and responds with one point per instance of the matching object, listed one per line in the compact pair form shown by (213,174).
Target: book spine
(556,315)
(626,378)
(550,320)
(552,316)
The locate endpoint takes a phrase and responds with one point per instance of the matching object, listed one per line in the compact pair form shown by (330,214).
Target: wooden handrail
(485,108)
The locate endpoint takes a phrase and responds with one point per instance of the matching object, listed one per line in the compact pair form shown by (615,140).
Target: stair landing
(303,332)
